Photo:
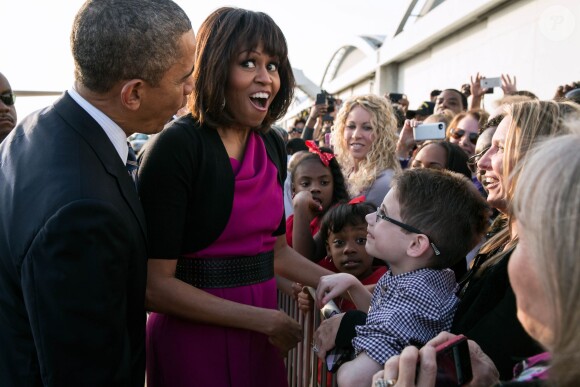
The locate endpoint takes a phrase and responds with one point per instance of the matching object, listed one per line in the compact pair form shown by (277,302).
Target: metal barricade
(302,363)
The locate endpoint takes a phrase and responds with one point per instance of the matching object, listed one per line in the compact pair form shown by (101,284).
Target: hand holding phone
(453,363)
(435,131)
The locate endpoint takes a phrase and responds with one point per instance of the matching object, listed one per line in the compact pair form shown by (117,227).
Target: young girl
(317,185)
(344,230)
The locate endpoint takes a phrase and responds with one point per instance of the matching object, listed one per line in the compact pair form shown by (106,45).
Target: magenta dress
(181,353)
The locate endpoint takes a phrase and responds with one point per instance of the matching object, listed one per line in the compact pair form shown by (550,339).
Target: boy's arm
(358,372)
(334,285)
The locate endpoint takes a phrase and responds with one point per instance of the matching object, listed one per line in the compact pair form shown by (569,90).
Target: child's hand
(302,297)
(303,201)
(332,286)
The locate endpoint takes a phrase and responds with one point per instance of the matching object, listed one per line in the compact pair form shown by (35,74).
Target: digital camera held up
(324,98)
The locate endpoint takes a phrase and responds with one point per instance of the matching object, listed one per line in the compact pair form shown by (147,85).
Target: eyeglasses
(457,134)
(473,160)
(8,98)
(381,215)
(297,130)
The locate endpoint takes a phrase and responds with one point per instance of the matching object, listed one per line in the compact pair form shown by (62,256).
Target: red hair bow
(358,199)
(325,157)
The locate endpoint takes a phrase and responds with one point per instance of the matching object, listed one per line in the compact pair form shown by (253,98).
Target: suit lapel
(81,122)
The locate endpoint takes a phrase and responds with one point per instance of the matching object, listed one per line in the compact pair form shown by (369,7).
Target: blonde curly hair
(381,156)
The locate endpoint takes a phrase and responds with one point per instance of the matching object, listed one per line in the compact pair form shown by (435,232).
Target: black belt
(228,272)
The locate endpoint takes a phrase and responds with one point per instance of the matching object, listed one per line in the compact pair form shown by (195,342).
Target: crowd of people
(166,265)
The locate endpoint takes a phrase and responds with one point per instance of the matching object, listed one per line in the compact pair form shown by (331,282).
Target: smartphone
(395,97)
(336,356)
(329,309)
(435,131)
(453,363)
(490,83)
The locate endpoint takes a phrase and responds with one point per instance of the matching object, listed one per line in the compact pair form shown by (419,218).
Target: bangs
(254,28)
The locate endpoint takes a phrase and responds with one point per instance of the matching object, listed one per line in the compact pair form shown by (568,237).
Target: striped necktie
(132,164)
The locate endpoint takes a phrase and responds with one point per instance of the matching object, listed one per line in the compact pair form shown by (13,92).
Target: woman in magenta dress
(211,187)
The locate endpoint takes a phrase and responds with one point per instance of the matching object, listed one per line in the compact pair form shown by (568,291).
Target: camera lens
(440,126)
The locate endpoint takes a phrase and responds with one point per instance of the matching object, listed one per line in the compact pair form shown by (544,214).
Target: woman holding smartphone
(545,274)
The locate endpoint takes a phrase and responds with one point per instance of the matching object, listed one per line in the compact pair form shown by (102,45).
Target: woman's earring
(224,104)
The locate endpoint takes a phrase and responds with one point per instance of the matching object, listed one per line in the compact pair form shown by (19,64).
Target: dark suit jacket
(72,256)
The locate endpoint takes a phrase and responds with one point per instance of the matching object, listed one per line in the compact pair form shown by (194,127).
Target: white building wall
(538,41)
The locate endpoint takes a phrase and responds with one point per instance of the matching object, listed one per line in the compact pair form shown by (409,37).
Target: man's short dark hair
(117,40)
(461,95)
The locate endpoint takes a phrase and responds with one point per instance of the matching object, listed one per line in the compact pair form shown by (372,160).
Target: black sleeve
(277,153)
(308,133)
(166,173)
(346,330)
(74,285)
(502,337)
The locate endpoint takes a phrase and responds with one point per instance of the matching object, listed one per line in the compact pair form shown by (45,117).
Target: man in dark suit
(72,232)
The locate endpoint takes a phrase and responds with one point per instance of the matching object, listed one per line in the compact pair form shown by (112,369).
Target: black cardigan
(204,179)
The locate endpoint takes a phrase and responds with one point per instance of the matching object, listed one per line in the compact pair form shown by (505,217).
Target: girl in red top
(317,185)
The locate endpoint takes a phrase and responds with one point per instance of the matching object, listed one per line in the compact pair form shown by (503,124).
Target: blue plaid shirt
(407,309)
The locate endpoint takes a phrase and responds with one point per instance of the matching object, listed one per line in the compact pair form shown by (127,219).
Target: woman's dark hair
(456,157)
(342,215)
(221,37)
(339,192)
(462,96)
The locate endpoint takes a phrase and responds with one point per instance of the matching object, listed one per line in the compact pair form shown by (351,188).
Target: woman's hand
(507,85)
(302,297)
(401,370)
(325,335)
(406,141)
(283,331)
(484,371)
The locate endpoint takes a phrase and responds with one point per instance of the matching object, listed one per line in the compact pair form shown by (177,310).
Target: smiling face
(312,176)
(448,99)
(347,249)
(535,310)
(430,156)
(470,126)
(385,240)
(253,83)
(358,133)
(491,168)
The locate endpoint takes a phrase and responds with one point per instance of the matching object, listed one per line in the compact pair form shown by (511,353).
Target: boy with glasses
(7,108)
(429,220)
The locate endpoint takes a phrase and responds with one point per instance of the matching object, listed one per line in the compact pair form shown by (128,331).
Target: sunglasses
(8,98)
(457,134)
(381,215)
(297,130)
(473,160)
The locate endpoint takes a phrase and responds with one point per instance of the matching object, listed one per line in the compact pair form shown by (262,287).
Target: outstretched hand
(508,85)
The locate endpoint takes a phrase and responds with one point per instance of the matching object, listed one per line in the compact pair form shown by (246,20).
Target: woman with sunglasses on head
(464,129)
(487,310)
(544,272)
